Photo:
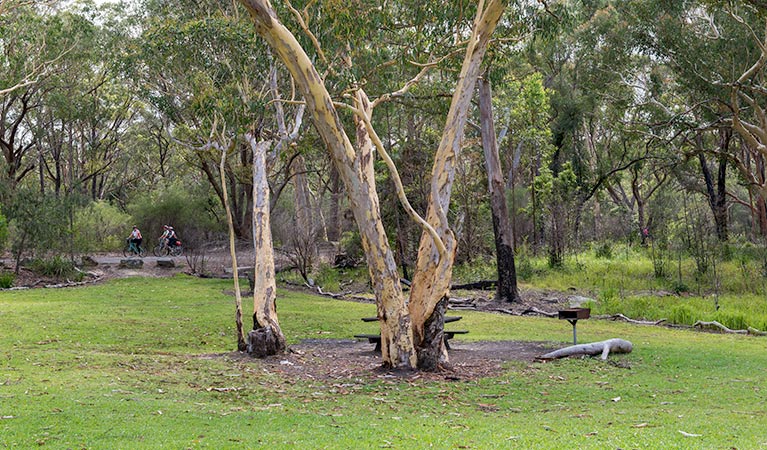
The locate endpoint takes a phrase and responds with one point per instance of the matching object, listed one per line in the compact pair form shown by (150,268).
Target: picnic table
(376,338)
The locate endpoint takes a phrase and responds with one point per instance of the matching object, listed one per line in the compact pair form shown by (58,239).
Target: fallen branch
(718,326)
(329,294)
(534,310)
(629,320)
(594,348)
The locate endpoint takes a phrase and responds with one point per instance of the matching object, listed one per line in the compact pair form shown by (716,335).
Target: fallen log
(714,325)
(534,310)
(630,320)
(595,348)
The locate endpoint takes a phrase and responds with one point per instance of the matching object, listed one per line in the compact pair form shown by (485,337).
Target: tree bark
(433,272)
(506,288)
(355,169)
(402,323)
(717,195)
(266,338)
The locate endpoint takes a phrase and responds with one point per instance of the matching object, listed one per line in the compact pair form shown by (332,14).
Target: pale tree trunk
(506,288)
(266,338)
(437,249)
(241,344)
(433,272)
(356,171)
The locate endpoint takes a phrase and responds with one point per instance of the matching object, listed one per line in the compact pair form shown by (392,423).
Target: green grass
(127,365)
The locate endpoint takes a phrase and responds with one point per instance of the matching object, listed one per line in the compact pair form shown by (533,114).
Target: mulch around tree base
(345,359)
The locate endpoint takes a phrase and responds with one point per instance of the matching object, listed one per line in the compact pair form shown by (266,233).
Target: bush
(100,227)
(351,245)
(186,210)
(56,267)
(6,280)
(3,231)
(604,250)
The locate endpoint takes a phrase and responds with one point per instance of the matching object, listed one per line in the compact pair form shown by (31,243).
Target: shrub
(3,231)
(56,267)
(188,210)
(6,280)
(604,250)
(351,244)
(100,227)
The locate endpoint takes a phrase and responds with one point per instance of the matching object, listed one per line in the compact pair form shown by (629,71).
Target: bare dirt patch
(332,360)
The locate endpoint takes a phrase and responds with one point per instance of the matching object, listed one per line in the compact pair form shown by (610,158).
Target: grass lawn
(125,365)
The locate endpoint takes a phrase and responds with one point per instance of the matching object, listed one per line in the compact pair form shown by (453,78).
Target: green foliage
(736,320)
(7,279)
(188,211)
(604,250)
(56,267)
(39,222)
(100,227)
(683,314)
(351,244)
(3,231)
(524,262)
(475,271)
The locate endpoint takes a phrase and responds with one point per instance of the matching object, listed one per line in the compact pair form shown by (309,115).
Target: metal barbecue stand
(572,315)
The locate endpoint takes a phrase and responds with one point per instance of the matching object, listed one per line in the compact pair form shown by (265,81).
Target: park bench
(376,338)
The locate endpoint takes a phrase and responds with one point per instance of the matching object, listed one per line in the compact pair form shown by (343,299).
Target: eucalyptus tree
(23,32)
(411,331)
(85,110)
(714,55)
(224,106)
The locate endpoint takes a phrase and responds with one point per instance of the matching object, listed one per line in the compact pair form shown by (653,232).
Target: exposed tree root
(595,348)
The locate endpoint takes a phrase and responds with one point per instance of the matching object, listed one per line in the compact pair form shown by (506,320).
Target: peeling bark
(432,277)
(506,288)
(266,338)
(356,171)
(402,322)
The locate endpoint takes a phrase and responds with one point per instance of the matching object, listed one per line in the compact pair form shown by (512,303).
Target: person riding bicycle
(135,238)
(171,238)
(168,237)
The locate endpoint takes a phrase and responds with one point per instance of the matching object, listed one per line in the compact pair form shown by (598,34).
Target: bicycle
(132,249)
(161,249)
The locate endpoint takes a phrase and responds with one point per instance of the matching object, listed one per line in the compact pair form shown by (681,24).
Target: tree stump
(264,342)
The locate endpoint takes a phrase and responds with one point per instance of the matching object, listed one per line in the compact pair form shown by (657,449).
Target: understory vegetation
(147,363)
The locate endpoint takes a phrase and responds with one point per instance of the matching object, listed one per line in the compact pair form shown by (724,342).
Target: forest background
(619,124)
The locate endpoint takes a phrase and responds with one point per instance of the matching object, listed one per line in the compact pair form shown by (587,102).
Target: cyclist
(135,238)
(164,236)
(171,238)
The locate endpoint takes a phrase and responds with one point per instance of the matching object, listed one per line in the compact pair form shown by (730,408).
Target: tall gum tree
(411,331)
